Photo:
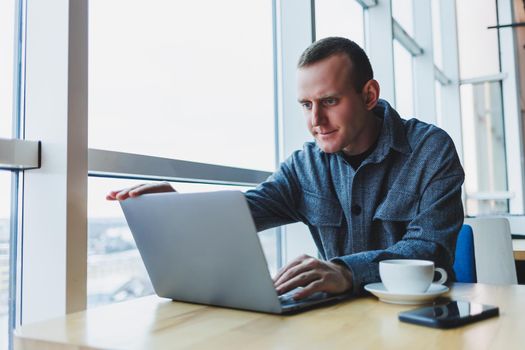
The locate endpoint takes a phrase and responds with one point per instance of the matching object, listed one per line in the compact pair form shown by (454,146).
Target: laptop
(203,248)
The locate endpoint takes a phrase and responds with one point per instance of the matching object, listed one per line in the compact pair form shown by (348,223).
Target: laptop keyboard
(287,298)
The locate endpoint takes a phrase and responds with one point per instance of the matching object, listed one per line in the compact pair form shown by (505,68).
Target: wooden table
(362,323)
(518,245)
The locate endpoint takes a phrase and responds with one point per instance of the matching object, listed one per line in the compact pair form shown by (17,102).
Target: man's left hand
(313,275)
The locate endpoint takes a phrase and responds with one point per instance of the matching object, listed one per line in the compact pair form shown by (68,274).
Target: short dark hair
(324,48)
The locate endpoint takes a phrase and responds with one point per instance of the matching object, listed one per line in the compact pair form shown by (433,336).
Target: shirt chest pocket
(397,206)
(319,211)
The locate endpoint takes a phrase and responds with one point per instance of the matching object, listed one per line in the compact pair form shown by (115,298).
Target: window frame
(16,155)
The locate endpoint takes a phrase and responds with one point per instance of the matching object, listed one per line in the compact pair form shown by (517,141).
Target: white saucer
(379,290)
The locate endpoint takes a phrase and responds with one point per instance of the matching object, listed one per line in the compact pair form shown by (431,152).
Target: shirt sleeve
(273,202)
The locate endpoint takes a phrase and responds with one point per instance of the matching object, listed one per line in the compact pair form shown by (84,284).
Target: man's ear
(371,94)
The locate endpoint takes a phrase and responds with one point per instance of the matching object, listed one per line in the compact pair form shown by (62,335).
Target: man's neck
(367,137)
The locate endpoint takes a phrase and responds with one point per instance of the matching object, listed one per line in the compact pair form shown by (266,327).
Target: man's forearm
(364,267)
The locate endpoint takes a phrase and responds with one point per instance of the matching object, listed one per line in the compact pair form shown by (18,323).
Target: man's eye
(306,105)
(330,101)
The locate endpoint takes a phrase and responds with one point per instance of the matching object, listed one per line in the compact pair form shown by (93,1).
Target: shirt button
(356,209)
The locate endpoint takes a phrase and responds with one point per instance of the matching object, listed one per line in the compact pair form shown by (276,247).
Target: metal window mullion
(409,43)
(19,70)
(294,34)
(423,65)
(12,306)
(512,111)
(367,3)
(450,120)
(441,77)
(127,165)
(279,231)
(484,79)
(494,195)
(379,46)
(14,301)
(54,248)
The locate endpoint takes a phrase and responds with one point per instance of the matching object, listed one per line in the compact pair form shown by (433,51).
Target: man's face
(336,114)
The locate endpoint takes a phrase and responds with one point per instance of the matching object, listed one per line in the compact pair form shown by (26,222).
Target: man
(372,187)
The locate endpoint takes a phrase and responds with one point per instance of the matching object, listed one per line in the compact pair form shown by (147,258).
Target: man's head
(337,91)
(362,69)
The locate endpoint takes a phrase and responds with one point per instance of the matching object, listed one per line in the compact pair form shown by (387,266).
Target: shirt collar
(392,134)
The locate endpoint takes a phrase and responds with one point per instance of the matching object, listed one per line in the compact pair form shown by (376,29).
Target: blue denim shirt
(404,200)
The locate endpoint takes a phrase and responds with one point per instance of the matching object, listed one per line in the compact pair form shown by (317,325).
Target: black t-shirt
(356,159)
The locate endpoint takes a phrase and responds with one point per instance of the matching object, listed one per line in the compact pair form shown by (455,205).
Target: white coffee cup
(407,276)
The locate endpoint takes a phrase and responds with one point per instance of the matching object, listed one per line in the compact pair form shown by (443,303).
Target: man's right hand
(138,190)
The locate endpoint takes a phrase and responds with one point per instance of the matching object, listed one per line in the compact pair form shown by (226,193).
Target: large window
(436,33)
(188,80)
(483,122)
(183,83)
(484,156)
(404,81)
(478,45)
(339,18)
(402,12)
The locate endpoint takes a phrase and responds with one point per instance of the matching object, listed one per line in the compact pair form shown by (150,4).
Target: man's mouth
(326,133)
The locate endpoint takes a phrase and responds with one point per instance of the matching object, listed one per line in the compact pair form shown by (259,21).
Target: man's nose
(317,115)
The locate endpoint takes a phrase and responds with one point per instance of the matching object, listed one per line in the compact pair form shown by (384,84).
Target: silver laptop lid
(202,248)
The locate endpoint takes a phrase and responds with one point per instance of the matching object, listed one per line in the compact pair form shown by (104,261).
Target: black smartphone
(449,315)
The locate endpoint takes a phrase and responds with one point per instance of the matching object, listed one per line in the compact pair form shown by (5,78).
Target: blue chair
(465,261)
